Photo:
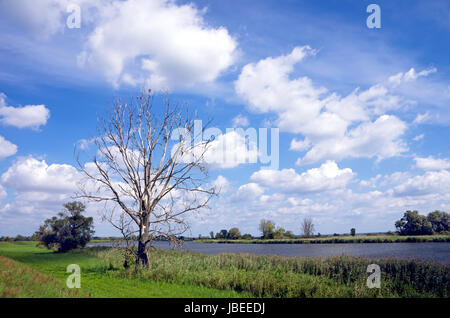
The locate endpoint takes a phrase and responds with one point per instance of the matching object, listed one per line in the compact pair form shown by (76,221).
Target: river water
(438,252)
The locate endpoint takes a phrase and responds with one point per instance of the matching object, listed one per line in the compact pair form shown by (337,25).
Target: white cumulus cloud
(327,177)
(231,150)
(380,139)
(334,127)
(430,183)
(29,116)
(158,43)
(300,145)
(249,191)
(33,175)
(6,148)
(430,163)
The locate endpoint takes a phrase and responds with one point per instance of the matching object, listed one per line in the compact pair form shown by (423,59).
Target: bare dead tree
(307,227)
(148,172)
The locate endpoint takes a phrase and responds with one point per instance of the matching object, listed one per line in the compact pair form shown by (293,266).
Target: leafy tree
(267,228)
(223,234)
(234,233)
(353,232)
(279,233)
(69,230)
(412,223)
(247,236)
(439,221)
(211,234)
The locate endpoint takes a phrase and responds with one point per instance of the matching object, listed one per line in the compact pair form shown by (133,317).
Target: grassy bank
(19,281)
(188,274)
(338,239)
(98,279)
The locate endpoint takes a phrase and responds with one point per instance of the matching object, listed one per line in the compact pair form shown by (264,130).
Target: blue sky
(362,113)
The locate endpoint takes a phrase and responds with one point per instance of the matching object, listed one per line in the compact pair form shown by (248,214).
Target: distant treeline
(412,223)
(18,238)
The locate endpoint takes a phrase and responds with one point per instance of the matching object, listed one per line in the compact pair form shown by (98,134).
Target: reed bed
(275,276)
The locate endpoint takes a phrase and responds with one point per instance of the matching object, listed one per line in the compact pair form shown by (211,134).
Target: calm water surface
(439,252)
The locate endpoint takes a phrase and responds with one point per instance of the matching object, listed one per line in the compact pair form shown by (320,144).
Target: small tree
(247,236)
(267,228)
(211,234)
(68,231)
(353,232)
(234,233)
(307,227)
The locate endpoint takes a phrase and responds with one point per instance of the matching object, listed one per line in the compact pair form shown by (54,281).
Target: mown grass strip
(19,281)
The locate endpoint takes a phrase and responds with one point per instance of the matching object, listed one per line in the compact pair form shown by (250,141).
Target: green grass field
(96,280)
(188,274)
(338,239)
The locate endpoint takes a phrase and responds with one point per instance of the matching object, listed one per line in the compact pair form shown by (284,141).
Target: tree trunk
(142,255)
